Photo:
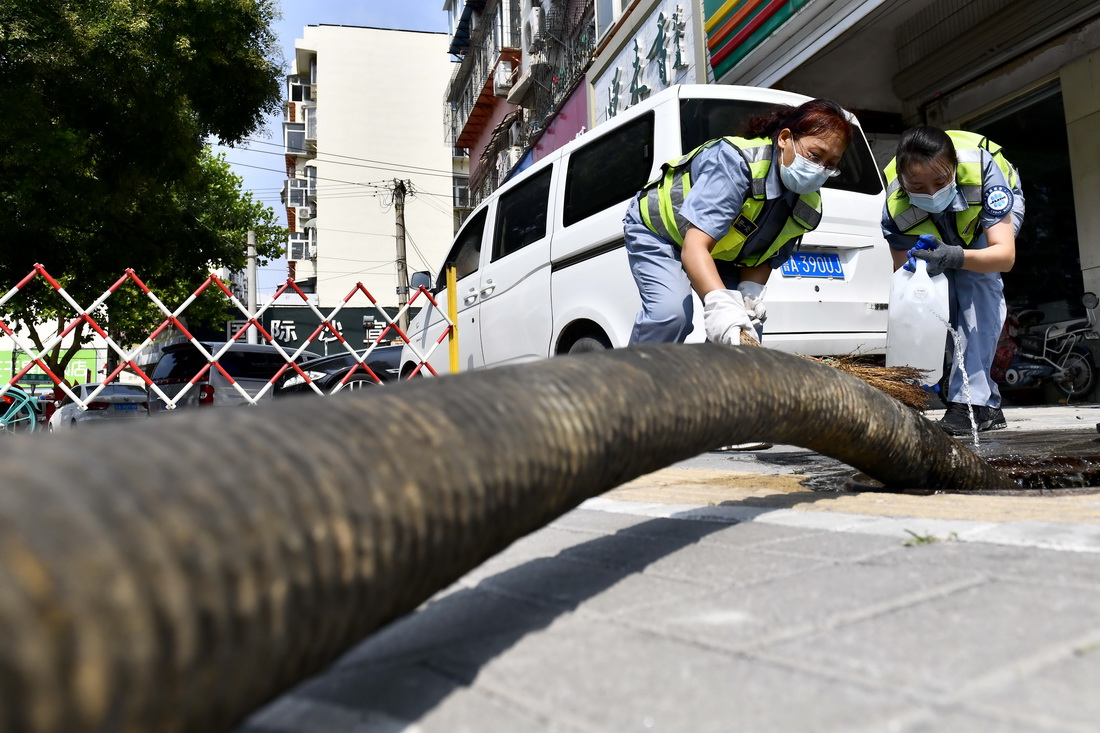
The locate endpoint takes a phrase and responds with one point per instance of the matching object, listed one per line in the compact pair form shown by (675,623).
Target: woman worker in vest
(721,218)
(957,188)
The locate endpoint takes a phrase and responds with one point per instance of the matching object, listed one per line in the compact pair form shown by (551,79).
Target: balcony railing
(499,30)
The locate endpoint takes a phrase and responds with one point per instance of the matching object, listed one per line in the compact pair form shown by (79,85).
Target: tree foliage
(102,157)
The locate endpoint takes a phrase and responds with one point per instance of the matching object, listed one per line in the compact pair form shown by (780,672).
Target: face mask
(936,202)
(803,175)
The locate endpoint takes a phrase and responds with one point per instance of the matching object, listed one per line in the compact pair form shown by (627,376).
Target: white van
(542,269)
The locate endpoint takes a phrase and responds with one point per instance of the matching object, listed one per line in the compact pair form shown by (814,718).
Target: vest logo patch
(743,225)
(998,200)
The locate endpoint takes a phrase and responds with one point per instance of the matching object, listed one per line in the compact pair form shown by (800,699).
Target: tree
(103,158)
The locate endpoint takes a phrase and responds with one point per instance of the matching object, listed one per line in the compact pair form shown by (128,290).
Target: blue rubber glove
(944,257)
(924,242)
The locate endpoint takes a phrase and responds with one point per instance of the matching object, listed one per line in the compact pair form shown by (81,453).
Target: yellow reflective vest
(662,198)
(911,220)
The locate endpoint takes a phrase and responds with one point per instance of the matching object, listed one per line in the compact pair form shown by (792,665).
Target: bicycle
(19,412)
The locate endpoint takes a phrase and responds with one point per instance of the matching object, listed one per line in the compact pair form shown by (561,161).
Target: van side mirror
(1089,300)
(421,279)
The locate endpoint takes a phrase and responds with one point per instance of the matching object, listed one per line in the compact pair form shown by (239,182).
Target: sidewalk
(721,594)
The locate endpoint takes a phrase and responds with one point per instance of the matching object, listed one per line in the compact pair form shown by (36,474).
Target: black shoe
(990,418)
(956,421)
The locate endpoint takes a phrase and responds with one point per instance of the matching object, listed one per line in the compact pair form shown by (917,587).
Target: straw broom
(901,383)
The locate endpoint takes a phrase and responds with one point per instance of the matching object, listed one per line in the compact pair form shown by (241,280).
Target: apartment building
(365,146)
(517,90)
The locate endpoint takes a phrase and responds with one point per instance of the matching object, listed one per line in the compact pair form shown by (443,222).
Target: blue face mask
(803,175)
(936,202)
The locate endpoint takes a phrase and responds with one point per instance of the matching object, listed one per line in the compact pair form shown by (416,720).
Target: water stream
(961,365)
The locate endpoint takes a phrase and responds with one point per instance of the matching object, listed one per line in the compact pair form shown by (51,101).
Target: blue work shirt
(720,182)
(945,220)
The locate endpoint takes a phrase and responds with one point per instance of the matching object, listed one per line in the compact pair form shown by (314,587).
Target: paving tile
(942,643)
(1061,692)
(636,681)
(807,602)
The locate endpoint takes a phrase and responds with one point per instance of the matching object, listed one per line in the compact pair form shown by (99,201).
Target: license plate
(126,407)
(813,264)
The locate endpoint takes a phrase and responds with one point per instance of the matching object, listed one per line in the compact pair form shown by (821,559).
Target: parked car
(329,371)
(251,366)
(114,403)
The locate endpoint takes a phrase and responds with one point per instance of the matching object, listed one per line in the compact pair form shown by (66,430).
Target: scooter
(1029,356)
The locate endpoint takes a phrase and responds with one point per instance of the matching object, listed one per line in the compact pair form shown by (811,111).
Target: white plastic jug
(916,327)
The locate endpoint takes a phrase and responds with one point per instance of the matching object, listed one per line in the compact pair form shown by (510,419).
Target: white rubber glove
(753,295)
(725,317)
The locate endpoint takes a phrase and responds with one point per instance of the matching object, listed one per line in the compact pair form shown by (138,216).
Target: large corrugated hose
(177,577)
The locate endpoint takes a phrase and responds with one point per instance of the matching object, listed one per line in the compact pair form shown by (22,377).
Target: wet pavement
(745,591)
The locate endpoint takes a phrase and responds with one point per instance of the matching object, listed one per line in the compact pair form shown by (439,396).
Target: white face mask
(803,175)
(936,202)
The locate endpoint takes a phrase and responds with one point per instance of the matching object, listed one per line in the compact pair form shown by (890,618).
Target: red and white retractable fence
(127,357)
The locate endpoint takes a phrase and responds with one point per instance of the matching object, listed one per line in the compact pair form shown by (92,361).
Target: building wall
(1081,95)
(379,119)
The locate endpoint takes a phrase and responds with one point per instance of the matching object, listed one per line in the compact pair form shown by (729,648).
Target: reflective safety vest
(911,220)
(662,198)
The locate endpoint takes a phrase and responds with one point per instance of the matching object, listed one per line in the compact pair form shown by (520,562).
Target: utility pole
(402,271)
(253,332)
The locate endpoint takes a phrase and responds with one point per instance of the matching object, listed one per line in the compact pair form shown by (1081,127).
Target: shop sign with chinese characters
(660,54)
(291,326)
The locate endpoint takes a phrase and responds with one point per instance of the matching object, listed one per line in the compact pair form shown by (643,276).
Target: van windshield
(705,119)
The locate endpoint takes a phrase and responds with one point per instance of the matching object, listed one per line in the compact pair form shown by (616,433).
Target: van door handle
(490,286)
(471,297)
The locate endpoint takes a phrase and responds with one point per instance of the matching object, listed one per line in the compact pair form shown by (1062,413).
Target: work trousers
(978,311)
(667,307)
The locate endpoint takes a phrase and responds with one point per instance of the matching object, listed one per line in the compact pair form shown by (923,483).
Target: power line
(283,171)
(379,164)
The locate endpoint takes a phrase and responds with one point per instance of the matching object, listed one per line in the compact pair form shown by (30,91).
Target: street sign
(33,378)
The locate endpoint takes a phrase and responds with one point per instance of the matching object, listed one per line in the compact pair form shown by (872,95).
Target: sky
(263,172)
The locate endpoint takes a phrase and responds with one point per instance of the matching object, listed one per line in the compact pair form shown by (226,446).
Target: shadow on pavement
(405,670)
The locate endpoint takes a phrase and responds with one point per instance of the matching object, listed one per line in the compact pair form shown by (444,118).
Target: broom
(900,382)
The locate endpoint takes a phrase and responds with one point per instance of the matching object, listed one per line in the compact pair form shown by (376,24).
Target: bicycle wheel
(1078,375)
(18,412)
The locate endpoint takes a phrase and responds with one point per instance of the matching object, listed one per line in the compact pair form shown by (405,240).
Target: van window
(705,119)
(466,251)
(609,170)
(521,215)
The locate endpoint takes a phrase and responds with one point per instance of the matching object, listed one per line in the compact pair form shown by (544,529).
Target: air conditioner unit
(503,78)
(515,136)
(533,27)
(302,214)
(507,159)
(311,250)
(520,93)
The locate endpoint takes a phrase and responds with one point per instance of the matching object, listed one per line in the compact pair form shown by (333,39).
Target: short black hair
(924,146)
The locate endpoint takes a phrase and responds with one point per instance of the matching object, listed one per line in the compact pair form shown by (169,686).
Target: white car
(114,403)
